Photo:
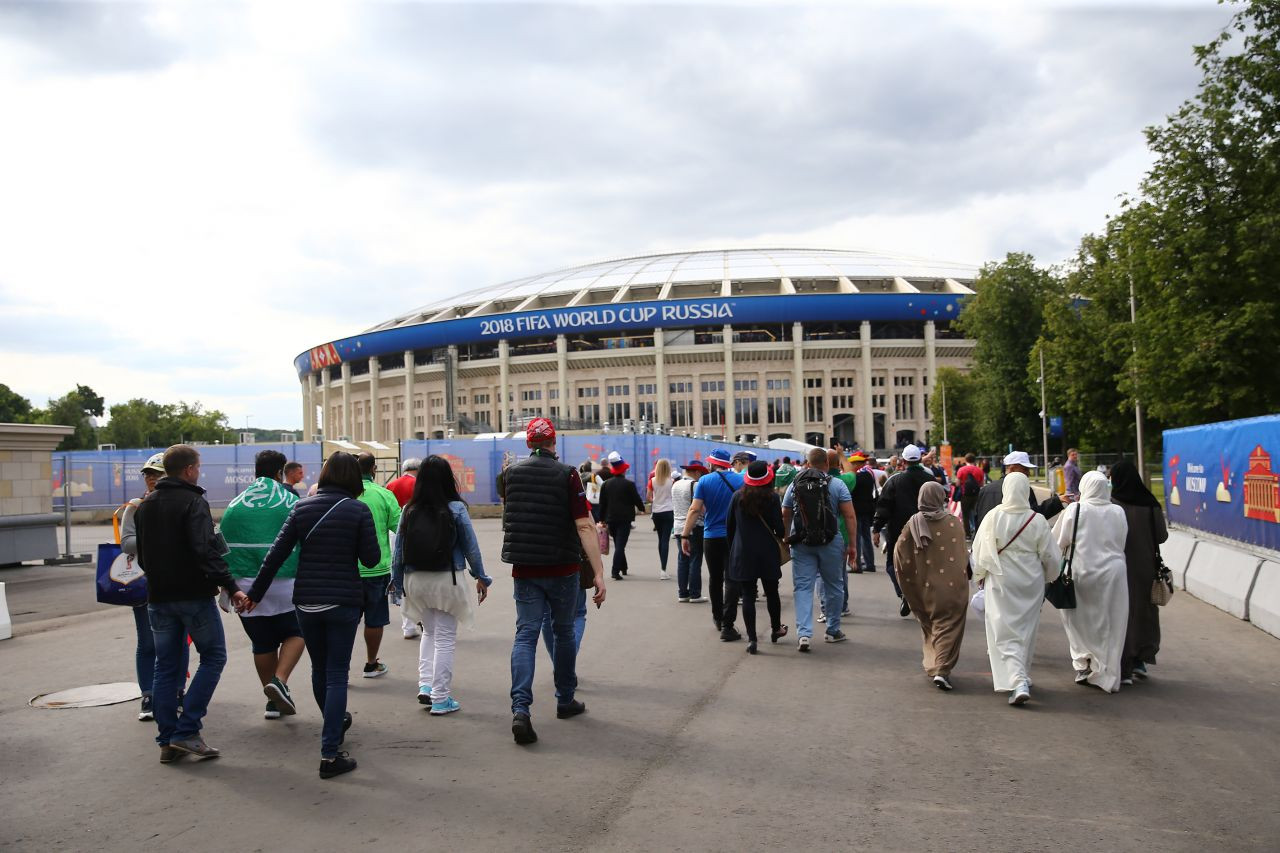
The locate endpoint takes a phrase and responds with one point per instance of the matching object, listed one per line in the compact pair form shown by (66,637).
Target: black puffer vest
(537,527)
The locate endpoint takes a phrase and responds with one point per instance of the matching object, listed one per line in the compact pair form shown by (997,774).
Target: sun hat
(696,465)
(155,462)
(858,457)
(617,465)
(539,430)
(719,458)
(758,474)
(1019,457)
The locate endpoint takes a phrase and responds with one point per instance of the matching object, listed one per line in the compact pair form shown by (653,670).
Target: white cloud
(193,194)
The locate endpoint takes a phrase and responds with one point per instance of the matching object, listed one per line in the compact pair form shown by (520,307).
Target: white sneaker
(1021,694)
(940,682)
(412,634)
(684,599)
(822,617)
(663,576)
(702,599)
(804,645)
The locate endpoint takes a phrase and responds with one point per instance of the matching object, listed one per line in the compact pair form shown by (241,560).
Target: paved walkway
(689,744)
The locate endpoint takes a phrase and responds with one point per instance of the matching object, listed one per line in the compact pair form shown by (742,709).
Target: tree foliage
(14,408)
(958,391)
(146,423)
(76,409)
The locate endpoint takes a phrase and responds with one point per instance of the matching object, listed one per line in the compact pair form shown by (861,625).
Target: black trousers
(621,532)
(715,553)
(746,591)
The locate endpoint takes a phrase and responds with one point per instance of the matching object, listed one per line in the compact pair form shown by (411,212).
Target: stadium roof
(719,272)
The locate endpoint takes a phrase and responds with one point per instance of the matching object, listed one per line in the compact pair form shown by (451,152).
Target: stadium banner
(636,316)
(1220,478)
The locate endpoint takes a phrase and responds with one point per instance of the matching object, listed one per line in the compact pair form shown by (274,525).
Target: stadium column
(828,407)
(660,370)
(728,384)
(562,375)
(328,430)
(931,372)
(308,408)
(504,404)
(407,428)
(374,409)
(797,381)
(346,400)
(866,423)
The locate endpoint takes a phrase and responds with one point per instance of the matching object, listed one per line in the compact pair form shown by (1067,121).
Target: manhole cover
(88,697)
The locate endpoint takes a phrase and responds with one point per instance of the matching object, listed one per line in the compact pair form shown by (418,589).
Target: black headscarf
(1127,487)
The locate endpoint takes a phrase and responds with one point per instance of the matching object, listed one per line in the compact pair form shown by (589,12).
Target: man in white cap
(989,498)
(894,508)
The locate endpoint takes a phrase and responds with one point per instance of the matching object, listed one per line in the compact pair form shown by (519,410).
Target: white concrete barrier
(1264,601)
(1177,552)
(6,624)
(1223,577)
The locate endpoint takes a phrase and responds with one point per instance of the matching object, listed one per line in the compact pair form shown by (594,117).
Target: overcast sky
(192,194)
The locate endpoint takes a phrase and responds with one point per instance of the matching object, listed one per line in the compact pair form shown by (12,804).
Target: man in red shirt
(969,481)
(402,486)
(547,533)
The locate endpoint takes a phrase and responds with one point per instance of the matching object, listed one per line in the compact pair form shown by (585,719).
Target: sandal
(778,633)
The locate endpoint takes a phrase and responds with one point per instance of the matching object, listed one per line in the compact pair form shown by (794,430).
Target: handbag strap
(1154,544)
(323,517)
(1030,518)
(1075,526)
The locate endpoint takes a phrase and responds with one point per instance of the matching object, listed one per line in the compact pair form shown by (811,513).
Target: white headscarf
(1095,489)
(1001,524)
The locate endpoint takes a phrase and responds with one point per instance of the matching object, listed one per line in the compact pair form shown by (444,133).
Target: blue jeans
(689,569)
(579,628)
(535,598)
(171,623)
(330,635)
(866,551)
(808,563)
(144,659)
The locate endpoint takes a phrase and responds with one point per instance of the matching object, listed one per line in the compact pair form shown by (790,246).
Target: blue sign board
(671,314)
(1220,478)
(1055,426)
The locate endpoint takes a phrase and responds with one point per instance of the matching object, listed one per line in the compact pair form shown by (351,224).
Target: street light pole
(1137,403)
(1044,417)
(944,415)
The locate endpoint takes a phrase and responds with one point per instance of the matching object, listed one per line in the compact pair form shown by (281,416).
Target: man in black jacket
(864,506)
(619,502)
(896,505)
(184,569)
(1017,462)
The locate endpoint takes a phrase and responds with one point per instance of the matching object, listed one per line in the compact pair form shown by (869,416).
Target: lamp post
(1137,403)
(1044,417)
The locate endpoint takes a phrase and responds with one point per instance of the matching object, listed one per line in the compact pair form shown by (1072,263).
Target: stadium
(740,344)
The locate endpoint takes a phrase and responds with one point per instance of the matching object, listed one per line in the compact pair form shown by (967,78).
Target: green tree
(74,409)
(195,424)
(146,423)
(14,408)
(1005,318)
(960,391)
(1203,242)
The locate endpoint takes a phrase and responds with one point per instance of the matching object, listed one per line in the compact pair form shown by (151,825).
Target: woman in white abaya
(1097,625)
(1014,555)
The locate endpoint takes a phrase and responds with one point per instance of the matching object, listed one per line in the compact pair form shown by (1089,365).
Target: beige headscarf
(1001,524)
(932,501)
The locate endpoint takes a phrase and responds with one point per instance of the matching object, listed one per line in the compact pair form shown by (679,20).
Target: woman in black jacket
(334,530)
(619,502)
(754,529)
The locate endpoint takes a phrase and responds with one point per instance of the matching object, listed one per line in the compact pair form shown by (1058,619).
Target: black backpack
(812,496)
(429,538)
(969,485)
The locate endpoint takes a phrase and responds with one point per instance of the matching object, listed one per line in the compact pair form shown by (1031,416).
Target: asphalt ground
(688,743)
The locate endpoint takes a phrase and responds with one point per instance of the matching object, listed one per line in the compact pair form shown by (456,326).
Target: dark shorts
(266,633)
(377,610)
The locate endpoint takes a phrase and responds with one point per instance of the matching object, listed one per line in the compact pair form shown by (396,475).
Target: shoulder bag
(1062,592)
(784,551)
(1162,585)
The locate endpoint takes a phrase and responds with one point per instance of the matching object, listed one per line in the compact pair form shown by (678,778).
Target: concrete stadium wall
(1244,583)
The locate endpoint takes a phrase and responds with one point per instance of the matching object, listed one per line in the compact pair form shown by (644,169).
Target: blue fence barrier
(1219,478)
(107,478)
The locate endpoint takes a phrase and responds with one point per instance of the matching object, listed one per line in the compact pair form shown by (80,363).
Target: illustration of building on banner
(1175,497)
(1224,492)
(1261,488)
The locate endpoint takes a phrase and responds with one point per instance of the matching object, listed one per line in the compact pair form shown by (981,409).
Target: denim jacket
(466,550)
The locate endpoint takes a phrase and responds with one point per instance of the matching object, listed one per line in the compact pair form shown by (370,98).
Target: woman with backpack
(436,541)
(754,529)
(335,535)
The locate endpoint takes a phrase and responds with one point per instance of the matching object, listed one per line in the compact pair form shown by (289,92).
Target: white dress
(1097,625)
(1014,596)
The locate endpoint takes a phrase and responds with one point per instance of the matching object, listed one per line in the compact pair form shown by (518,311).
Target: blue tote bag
(120,578)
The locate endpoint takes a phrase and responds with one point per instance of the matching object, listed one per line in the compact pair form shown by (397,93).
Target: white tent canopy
(790,445)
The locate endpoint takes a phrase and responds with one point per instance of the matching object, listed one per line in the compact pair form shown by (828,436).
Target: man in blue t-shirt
(711,497)
(809,562)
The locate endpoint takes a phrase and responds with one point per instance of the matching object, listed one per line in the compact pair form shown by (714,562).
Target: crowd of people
(303,573)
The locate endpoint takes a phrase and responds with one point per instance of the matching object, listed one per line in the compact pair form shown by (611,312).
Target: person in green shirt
(377,581)
(249,526)
(784,474)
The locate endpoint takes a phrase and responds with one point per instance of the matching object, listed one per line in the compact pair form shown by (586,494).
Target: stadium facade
(743,344)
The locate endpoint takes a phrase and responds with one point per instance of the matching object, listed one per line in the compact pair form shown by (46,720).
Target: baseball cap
(720,458)
(911,453)
(155,462)
(858,457)
(1019,457)
(539,430)
(744,456)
